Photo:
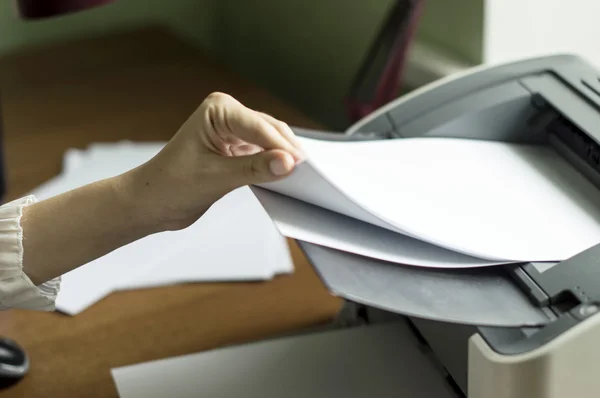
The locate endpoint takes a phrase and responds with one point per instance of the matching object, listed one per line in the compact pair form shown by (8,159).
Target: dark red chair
(38,9)
(378,79)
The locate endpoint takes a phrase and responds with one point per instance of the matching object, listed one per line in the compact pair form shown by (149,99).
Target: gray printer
(528,330)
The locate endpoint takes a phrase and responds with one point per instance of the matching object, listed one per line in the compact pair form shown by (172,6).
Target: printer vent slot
(580,144)
(565,302)
(576,140)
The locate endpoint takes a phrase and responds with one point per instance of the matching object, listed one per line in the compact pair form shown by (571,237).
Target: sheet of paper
(309,223)
(491,200)
(381,361)
(235,240)
(81,167)
(124,155)
(215,248)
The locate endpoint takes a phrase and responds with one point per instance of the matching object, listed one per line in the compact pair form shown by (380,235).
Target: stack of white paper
(437,202)
(234,241)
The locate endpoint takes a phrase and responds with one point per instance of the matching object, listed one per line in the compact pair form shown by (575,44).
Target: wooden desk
(138,86)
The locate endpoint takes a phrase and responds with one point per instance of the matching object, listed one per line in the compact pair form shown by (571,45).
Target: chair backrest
(377,80)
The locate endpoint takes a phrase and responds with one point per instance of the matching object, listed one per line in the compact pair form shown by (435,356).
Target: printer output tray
(552,100)
(476,296)
(486,296)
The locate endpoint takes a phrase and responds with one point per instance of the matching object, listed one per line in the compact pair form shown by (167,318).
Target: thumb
(263,167)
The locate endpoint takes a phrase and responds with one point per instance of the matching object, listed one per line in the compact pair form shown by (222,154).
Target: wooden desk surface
(139,86)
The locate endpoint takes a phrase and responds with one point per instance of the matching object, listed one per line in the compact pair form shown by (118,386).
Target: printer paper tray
(478,296)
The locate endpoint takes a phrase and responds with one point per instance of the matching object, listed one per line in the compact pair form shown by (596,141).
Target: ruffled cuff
(16,289)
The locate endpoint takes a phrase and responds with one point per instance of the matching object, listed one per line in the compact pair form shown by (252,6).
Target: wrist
(135,203)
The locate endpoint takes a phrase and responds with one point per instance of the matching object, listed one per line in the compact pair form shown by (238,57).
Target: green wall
(455,27)
(305,51)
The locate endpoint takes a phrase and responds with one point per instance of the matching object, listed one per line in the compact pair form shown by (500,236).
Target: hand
(222,146)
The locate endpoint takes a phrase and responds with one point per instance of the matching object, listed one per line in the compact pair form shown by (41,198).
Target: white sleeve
(16,289)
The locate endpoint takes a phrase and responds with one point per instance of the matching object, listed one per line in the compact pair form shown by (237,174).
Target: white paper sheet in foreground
(376,361)
(491,200)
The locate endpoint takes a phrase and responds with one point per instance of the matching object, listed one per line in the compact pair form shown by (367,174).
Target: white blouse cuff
(16,289)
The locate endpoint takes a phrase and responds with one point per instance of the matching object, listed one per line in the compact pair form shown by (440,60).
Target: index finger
(283,129)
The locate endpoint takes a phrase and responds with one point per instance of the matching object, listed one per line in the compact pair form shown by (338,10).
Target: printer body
(514,331)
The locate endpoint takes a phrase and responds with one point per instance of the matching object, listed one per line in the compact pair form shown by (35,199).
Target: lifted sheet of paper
(494,201)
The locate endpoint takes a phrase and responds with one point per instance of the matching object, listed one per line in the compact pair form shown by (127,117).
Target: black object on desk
(14,362)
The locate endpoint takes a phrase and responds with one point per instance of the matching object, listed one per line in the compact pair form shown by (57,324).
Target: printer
(529,330)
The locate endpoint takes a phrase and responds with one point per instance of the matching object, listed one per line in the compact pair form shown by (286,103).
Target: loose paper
(234,241)
(491,200)
(381,361)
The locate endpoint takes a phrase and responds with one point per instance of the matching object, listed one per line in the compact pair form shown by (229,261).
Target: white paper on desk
(245,248)
(81,167)
(373,361)
(107,159)
(234,241)
(491,200)
(93,281)
(125,155)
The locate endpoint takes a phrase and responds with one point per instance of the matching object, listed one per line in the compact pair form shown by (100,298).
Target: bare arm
(74,228)
(223,146)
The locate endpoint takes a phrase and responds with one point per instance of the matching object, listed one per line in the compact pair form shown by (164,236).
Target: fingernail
(279,166)
(299,158)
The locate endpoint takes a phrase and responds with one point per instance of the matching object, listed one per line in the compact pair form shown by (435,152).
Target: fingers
(253,127)
(283,129)
(262,167)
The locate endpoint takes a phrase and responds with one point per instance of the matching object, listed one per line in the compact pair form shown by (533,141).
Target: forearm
(74,228)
